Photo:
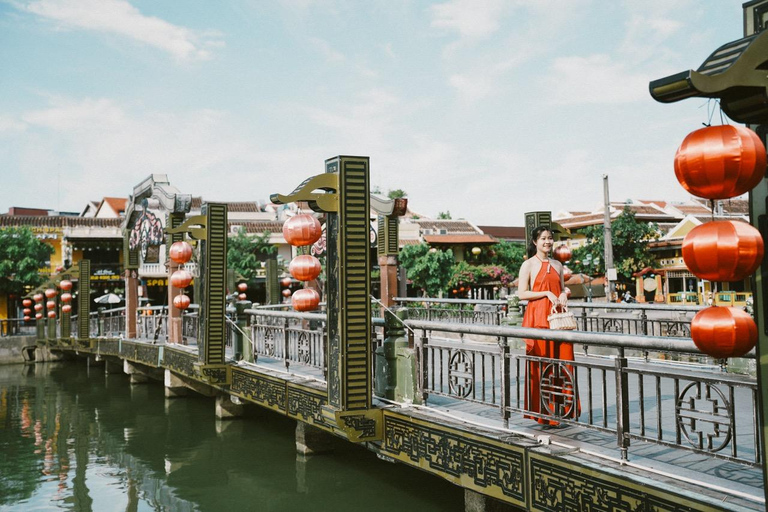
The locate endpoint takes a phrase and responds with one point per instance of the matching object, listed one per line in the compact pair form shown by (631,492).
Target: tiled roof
(452,227)
(258,226)
(57,221)
(118,204)
(505,232)
(736,206)
(692,209)
(235,206)
(459,239)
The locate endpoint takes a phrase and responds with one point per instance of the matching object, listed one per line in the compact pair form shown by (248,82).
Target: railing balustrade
(17,327)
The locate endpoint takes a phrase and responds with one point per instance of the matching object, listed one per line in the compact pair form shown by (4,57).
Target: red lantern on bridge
(303,229)
(181,278)
(305,267)
(38,297)
(286,282)
(38,316)
(66,308)
(306,299)
(562,253)
(723,250)
(181,302)
(66,297)
(242,287)
(27,303)
(720,162)
(51,314)
(180,252)
(723,332)
(38,307)
(242,296)
(51,304)
(27,318)
(50,293)
(65,285)
(27,311)
(286,293)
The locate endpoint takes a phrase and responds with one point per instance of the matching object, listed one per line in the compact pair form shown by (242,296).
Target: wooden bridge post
(84,302)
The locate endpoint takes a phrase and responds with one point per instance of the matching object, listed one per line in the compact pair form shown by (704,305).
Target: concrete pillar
(476,502)
(311,440)
(131,302)
(226,409)
(137,378)
(174,386)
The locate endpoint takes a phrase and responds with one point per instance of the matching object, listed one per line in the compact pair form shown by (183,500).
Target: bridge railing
(17,327)
(464,311)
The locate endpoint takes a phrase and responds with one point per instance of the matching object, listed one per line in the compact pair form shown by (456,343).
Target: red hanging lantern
(286,281)
(38,307)
(723,250)
(65,285)
(720,162)
(302,230)
(38,316)
(305,267)
(66,308)
(242,287)
(567,274)
(181,278)
(38,297)
(180,252)
(27,318)
(181,301)
(51,314)
(27,303)
(66,297)
(723,332)
(562,253)
(286,293)
(27,311)
(50,293)
(242,296)
(51,304)
(306,299)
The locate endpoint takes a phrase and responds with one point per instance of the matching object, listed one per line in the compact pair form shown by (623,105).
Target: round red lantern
(306,299)
(305,267)
(302,230)
(27,303)
(720,162)
(38,297)
(50,304)
(562,253)
(181,278)
(27,311)
(181,301)
(50,293)
(65,285)
(66,308)
(723,332)
(286,293)
(27,318)
(242,296)
(567,274)
(38,316)
(66,297)
(723,250)
(51,314)
(38,307)
(242,287)
(286,281)
(180,252)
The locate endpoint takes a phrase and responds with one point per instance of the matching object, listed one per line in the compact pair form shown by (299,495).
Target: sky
(482,108)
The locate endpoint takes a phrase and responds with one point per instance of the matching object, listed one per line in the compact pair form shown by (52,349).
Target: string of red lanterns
(302,230)
(722,162)
(181,253)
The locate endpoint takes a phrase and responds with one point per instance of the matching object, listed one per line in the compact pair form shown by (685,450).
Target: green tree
(21,256)
(245,252)
(630,246)
(397,194)
(446,215)
(428,269)
(509,255)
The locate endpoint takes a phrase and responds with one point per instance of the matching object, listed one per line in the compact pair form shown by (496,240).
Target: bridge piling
(311,440)
(174,385)
(227,409)
(476,502)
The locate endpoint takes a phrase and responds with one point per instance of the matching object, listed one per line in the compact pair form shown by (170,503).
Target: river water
(73,438)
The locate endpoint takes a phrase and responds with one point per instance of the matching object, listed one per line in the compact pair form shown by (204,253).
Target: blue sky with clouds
(485,108)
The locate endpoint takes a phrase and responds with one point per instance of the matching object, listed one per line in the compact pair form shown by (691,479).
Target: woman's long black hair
(535,234)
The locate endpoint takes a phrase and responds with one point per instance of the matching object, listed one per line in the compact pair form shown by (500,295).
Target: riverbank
(12,350)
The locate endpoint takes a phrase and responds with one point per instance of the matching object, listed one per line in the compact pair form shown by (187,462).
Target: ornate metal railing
(294,338)
(462,311)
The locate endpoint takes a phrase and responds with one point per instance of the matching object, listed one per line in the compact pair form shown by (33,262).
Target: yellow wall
(3,306)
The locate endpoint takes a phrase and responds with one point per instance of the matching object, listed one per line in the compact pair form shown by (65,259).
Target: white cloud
(470,18)
(121,18)
(472,87)
(595,79)
(325,48)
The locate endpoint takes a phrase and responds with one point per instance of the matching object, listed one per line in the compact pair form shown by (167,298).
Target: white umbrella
(109,298)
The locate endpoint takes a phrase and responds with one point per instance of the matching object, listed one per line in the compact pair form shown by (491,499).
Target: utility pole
(610,272)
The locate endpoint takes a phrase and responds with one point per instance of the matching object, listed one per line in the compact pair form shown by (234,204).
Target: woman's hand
(563,299)
(552,298)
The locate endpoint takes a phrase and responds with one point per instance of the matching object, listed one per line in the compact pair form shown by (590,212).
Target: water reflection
(74,438)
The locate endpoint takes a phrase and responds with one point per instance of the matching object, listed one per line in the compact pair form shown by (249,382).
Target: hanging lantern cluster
(181,252)
(242,288)
(66,297)
(722,162)
(38,298)
(299,231)
(51,304)
(65,285)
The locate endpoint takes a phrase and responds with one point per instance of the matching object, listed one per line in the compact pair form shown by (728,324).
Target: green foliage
(630,246)
(21,255)
(466,274)
(246,252)
(509,255)
(428,270)
(397,194)
(446,215)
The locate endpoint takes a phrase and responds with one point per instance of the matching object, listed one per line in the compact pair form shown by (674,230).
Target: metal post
(622,404)
(506,389)
(608,239)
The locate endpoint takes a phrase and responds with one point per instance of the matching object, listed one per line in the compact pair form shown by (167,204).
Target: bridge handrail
(571,304)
